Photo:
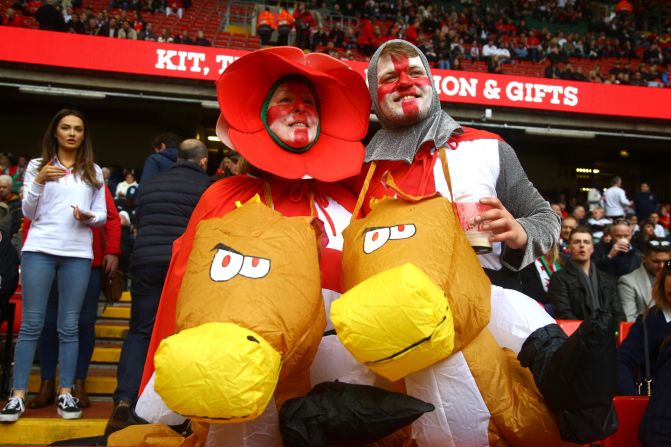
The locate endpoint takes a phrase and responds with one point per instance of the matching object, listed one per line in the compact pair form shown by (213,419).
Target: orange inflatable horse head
(408,262)
(249,317)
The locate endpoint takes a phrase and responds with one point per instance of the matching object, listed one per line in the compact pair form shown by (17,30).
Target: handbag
(113,285)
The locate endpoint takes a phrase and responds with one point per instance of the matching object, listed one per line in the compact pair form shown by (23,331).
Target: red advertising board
(206,63)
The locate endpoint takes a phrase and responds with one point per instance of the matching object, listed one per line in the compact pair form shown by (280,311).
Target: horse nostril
(252,338)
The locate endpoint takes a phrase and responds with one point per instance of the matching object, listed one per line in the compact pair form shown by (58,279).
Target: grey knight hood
(394,142)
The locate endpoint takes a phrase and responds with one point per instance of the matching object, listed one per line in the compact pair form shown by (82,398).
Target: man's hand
(499,221)
(110,263)
(619,246)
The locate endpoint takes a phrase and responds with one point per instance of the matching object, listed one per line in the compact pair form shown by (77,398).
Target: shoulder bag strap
(646,351)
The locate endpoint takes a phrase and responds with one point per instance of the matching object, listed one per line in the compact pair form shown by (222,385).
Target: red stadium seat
(630,411)
(624,331)
(569,326)
(18,307)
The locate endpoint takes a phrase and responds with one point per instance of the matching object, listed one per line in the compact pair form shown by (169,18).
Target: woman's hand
(49,173)
(82,216)
(499,221)
(110,263)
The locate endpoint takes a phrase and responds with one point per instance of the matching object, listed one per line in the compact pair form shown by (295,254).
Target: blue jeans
(145,295)
(48,344)
(38,271)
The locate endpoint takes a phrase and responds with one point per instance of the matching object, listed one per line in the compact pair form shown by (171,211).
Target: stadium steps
(44,426)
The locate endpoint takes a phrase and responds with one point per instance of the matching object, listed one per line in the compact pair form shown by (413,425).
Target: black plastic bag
(343,414)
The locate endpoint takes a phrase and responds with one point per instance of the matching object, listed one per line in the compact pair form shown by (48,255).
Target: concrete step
(117,312)
(100,381)
(111,330)
(44,426)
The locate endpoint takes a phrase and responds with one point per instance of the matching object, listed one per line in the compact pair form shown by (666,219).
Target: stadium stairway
(44,426)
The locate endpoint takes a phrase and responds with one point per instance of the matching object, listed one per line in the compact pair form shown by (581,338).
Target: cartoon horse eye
(403,231)
(225,265)
(374,239)
(254,267)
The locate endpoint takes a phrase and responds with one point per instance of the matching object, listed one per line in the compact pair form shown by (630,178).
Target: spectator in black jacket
(654,430)
(645,202)
(618,256)
(49,18)
(579,288)
(166,148)
(165,204)
(9,270)
(657,321)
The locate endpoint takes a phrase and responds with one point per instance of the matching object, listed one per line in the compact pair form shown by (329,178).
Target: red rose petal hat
(344,109)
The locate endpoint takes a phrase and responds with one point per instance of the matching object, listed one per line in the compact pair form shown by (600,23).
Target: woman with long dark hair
(63,197)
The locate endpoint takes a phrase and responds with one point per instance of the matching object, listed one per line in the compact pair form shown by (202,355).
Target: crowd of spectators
(618,236)
(124,19)
(451,36)
(496,33)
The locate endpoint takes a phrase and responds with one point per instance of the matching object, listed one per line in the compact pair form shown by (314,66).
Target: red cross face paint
(292,114)
(404,90)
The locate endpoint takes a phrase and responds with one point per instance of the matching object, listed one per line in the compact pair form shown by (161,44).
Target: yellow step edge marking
(116,312)
(125,297)
(43,431)
(106,355)
(111,331)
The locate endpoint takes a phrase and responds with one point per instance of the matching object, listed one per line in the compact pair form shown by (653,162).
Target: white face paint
(404,89)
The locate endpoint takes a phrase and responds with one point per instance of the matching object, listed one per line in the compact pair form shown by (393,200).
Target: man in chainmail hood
(481,164)
(426,151)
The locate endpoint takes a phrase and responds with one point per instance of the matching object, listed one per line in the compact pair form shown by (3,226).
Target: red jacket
(106,239)
(366,34)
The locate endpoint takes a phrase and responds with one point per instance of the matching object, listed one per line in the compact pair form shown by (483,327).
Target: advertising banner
(207,63)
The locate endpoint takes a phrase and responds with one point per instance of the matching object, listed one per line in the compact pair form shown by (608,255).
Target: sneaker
(13,410)
(67,407)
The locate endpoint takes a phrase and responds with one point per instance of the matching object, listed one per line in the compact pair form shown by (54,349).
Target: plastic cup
(476,235)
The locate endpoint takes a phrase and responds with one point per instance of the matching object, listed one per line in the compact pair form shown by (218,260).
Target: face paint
(292,114)
(404,90)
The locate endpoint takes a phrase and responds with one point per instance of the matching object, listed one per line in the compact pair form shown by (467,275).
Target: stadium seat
(17,308)
(569,326)
(624,331)
(630,411)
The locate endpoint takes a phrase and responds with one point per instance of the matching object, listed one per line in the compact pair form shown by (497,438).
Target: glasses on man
(657,243)
(622,222)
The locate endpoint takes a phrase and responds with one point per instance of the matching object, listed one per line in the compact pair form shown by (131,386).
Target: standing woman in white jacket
(63,197)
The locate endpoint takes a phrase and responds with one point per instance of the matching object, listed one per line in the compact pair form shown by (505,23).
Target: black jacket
(631,355)
(50,19)
(570,299)
(622,264)
(165,204)
(9,271)
(654,430)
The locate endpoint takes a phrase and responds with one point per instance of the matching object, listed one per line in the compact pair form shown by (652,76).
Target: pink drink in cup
(477,237)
